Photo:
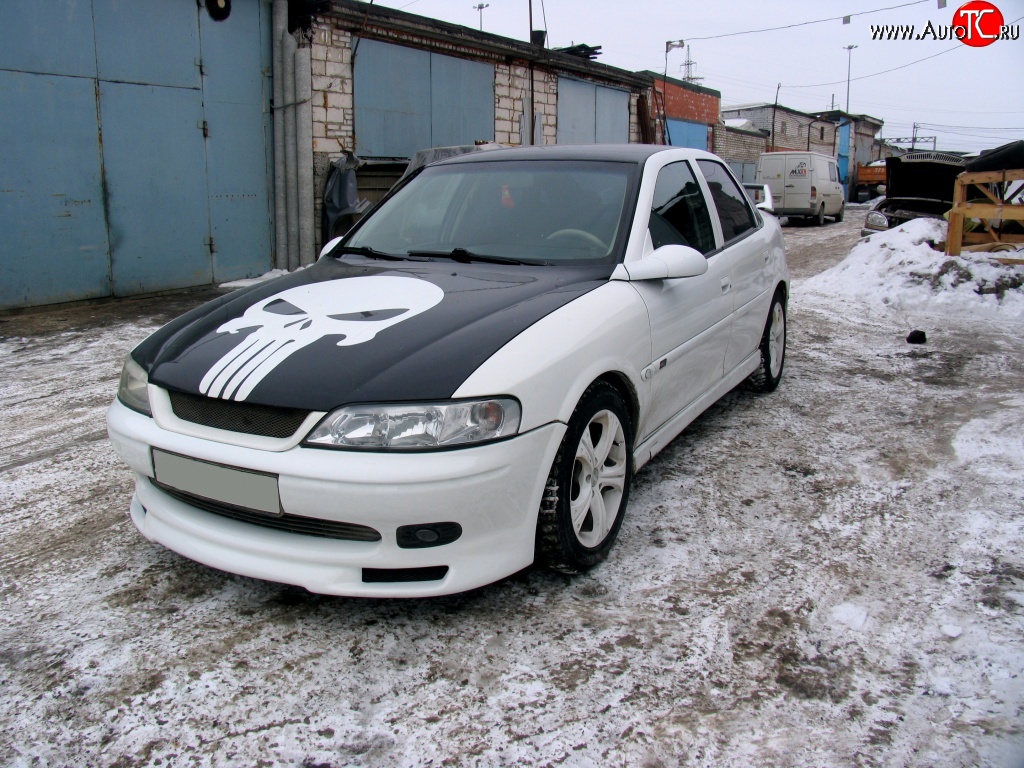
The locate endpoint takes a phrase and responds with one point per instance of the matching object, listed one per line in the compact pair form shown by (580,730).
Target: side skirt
(668,431)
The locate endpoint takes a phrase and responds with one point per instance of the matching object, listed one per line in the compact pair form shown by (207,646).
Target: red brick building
(687,110)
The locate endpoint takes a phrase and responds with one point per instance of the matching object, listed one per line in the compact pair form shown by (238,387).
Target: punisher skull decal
(354,310)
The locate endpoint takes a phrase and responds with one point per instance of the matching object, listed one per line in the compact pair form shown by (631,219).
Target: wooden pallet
(1009,209)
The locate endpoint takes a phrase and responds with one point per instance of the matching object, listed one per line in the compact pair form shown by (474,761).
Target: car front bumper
(492,491)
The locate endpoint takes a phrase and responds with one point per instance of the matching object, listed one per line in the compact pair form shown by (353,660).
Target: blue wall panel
(392,100)
(124,202)
(461,101)
(612,116)
(236,108)
(54,243)
(148,41)
(577,107)
(48,36)
(407,100)
(589,113)
(683,133)
(156,182)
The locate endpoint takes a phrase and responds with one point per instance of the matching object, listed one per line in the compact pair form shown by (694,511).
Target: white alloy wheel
(777,339)
(587,489)
(598,478)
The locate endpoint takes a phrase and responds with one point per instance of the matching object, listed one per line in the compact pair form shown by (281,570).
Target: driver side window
(679,213)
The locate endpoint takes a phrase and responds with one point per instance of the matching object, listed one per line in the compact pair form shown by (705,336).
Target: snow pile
(901,269)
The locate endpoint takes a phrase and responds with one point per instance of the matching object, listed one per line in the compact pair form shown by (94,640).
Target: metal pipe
(304,153)
(288,48)
(280,27)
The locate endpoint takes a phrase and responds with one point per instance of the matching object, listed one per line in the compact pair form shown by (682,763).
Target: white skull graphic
(356,309)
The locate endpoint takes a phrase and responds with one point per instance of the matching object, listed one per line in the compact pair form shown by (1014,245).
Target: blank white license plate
(238,487)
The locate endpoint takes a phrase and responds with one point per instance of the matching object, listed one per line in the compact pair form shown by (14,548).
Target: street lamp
(480,8)
(669,45)
(849,59)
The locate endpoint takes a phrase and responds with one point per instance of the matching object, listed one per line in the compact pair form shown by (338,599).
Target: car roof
(623,153)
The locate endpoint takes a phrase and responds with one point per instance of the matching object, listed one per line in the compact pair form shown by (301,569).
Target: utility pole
(849,61)
(480,8)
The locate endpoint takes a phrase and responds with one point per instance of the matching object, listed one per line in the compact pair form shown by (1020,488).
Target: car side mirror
(667,262)
(767,204)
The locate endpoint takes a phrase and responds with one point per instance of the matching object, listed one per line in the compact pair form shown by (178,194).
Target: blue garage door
(589,113)
(134,156)
(683,133)
(407,100)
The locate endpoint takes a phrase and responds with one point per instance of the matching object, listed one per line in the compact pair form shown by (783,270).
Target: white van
(803,184)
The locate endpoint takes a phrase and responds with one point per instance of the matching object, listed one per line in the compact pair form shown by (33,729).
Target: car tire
(819,219)
(773,347)
(842,211)
(588,487)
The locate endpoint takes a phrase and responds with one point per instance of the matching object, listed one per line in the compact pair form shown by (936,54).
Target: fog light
(427,535)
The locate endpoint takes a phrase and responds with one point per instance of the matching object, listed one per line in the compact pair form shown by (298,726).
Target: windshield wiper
(363,250)
(464,256)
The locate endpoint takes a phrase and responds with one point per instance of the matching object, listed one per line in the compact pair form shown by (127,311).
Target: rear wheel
(820,218)
(773,347)
(588,486)
(842,211)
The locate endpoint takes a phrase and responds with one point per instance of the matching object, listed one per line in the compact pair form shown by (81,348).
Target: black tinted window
(733,209)
(679,214)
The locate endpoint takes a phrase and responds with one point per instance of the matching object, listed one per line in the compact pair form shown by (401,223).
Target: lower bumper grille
(305,526)
(397,575)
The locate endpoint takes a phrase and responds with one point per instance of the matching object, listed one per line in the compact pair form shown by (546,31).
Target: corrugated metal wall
(130,135)
(407,100)
(590,113)
(684,133)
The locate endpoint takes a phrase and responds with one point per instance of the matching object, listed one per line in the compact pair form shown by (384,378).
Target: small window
(733,206)
(782,130)
(679,213)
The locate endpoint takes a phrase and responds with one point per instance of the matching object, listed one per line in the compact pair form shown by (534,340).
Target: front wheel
(773,347)
(588,486)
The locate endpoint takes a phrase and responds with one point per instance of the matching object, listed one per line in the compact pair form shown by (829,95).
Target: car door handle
(726,284)
(767,255)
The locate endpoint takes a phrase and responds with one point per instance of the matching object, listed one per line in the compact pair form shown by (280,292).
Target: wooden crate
(992,208)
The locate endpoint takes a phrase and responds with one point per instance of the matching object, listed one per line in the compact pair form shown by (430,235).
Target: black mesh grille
(246,418)
(306,526)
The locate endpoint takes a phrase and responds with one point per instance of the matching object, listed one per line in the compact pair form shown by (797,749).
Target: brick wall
(791,129)
(737,145)
(685,104)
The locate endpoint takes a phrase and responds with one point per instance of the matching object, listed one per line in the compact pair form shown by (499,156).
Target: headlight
(132,389)
(876,220)
(417,425)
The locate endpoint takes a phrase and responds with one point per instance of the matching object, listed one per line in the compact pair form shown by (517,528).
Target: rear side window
(679,214)
(832,175)
(734,211)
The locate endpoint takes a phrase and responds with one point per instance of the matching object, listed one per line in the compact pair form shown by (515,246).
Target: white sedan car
(465,383)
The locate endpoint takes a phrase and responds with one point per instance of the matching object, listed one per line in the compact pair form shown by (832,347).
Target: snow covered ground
(831,575)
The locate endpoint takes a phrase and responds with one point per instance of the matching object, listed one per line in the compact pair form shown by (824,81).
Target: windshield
(534,212)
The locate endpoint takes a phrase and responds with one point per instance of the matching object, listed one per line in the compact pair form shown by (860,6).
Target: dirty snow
(900,269)
(831,575)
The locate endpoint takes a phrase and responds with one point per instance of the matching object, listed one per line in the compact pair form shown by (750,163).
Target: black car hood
(355,330)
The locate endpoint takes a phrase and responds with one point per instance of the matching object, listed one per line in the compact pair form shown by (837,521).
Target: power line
(883,72)
(806,23)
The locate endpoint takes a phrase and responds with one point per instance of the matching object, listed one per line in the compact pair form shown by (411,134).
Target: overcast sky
(970,98)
